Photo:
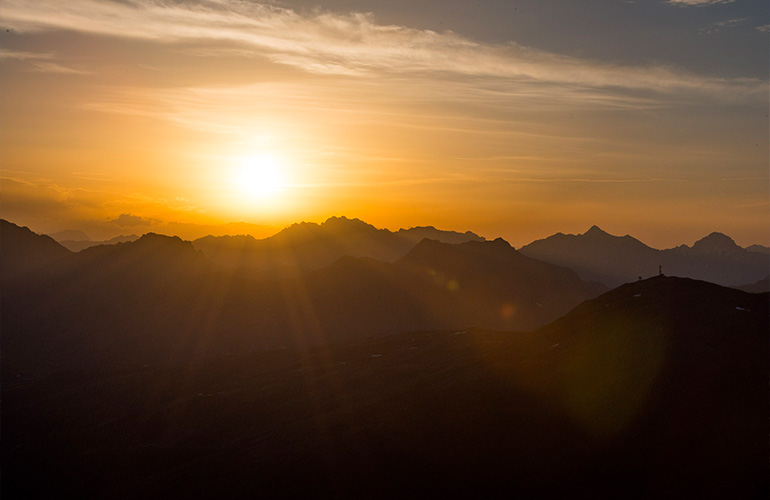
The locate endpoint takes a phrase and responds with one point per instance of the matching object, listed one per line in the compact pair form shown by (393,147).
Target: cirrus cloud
(351,44)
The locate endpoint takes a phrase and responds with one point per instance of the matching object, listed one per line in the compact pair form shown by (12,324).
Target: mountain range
(461,367)
(614,260)
(309,246)
(159,298)
(595,255)
(78,244)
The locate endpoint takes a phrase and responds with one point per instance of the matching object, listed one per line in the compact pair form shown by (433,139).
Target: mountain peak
(499,242)
(595,231)
(159,239)
(715,242)
(343,222)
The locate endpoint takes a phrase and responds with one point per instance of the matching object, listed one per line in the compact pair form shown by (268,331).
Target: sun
(260,178)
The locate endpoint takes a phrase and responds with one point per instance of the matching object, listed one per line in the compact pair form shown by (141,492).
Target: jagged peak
(158,237)
(345,222)
(500,242)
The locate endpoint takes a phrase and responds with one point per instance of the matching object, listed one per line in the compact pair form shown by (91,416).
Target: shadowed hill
(23,251)
(613,260)
(678,367)
(655,389)
(501,288)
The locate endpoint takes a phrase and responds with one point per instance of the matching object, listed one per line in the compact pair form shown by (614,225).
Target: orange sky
(132,116)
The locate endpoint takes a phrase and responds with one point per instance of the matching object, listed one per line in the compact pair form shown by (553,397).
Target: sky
(510,118)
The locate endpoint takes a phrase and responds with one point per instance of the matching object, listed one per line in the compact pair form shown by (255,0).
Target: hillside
(23,251)
(655,389)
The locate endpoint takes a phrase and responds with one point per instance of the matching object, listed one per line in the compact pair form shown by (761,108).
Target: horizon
(509,120)
(58,238)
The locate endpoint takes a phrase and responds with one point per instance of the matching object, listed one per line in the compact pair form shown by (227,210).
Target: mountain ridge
(613,260)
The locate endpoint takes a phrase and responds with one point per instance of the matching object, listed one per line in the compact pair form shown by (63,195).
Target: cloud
(128,220)
(51,67)
(324,43)
(765,28)
(730,23)
(697,3)
(40,62)
(6,54)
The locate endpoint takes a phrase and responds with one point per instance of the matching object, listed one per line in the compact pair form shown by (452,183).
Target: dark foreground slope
(657,389)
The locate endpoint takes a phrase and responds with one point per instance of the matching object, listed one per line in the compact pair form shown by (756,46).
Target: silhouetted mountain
(158,299)
(78,245)
(716,243)
(439,285)
(492,284)
(760,286)
(70,234)
(758,249)
(22,251)
(597,255)
(655,389)
(308,246)
(612,260)
(417,234)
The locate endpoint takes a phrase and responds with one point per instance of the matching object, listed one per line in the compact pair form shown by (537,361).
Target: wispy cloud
(697,3)
(730,23)
(352,44)
(43,62)
(19,55)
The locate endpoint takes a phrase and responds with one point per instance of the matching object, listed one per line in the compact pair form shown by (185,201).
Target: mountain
(417,234)
(23,251)
(70,234)
(612,260)
(655,389)
(159,299)
(759,286)
(758,249)
(438,285)
(76,245)
(597,255)
(307,246)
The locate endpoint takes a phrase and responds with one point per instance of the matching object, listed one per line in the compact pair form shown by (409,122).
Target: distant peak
(155,240)
(715,241)
(501,242)
(344,223)
(595,231)
(159,237)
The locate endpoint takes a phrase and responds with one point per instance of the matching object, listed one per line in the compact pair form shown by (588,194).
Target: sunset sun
(260,178)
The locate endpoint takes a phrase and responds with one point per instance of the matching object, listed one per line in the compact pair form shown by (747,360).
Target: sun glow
(261,178)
